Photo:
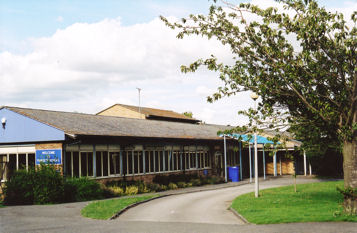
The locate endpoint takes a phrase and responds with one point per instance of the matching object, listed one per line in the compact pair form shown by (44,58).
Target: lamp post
(254,96)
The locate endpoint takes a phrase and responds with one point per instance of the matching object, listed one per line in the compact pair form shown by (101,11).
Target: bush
(48,185)
(131,190)
(41,186)
(172,186)
(82,189)
(196,182)
(116,191)
(163,187)
(189,184)
(181,184)
(154,187)
(18,190)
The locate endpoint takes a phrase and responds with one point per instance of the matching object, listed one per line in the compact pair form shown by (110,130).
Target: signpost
(53,156)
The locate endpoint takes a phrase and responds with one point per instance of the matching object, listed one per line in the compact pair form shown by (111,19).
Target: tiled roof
(88,124)
(156,112)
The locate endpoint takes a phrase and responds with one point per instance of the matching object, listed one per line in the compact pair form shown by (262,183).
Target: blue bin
(233,173)
(205,172)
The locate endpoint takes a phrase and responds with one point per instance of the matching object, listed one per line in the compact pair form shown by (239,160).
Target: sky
(84,56)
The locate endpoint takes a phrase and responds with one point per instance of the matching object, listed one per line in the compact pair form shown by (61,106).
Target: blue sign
(49,156)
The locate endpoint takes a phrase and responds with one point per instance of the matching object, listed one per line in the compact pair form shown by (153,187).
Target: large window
(128,162)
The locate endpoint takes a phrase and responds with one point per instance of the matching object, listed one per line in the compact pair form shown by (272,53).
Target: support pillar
(94,162)
(250,164)
(240,161)
(225,159)
(121,161)
(310,169)
(144,164)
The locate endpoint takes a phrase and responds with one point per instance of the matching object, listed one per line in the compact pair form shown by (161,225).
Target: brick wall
(148,178)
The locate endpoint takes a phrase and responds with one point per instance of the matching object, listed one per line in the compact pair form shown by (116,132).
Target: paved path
(198,207)
(66,218)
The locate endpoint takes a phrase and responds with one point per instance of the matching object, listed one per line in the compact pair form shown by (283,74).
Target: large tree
(301,60)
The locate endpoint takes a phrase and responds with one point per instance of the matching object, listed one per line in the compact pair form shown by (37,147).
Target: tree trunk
(350,174)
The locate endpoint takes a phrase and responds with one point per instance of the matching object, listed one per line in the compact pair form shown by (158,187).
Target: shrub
(82,189)
(18,190)
(41,186)
(131,190)
(163,187)
(47,185)
(189,184)
(196,182)
(116,191)
(142,187)
(172,186)
(181,184)
(154,187)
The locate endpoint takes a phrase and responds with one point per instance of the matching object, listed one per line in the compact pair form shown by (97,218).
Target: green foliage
(172,186)
(47,185)
(196,182)
(116,191)
(181,184)
(18,189)
(107,208)
(131,190)
(41,186)
(348,192)
(82,189)
(315,202)
(153,187)
(301,60)
(188,114)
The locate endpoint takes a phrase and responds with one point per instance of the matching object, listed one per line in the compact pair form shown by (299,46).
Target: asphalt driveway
(169,214)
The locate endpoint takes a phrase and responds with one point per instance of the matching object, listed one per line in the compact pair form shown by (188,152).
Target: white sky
(86,64)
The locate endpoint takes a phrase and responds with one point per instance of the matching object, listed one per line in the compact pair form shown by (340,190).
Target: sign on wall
(53,156)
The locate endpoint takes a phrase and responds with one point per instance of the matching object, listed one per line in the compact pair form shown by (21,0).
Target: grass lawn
(107,208)
(315,202)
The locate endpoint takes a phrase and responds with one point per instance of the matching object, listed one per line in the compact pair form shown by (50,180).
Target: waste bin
(233,173)
(205,172)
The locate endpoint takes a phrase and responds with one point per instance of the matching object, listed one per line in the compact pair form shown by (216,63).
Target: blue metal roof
(245,138)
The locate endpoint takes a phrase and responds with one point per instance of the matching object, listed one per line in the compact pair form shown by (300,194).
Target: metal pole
(274,162)
(264,162)
(139,90)
(304,163)
(250,165)
(256,165)
(240,161)
(225,158)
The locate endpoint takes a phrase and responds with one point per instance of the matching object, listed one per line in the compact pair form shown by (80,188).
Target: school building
(123,141)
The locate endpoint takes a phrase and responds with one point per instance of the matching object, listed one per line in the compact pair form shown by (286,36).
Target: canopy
(245,138)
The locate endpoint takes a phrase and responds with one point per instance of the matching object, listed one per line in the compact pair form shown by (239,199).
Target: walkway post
(254,96)
(264,162)
(274,162)
(256,165)
(225,158)
(304,163)
(240,160)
